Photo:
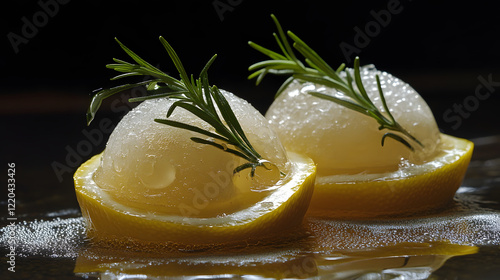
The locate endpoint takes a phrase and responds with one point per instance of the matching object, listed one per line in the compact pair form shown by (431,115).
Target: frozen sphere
(157,168)
(343,141)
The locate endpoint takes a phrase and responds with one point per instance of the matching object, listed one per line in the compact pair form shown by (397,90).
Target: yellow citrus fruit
(153,183)
(282,209)
(357,176)
(411,189)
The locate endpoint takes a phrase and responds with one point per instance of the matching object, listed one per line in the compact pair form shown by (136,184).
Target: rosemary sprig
(196,96)
(318,71)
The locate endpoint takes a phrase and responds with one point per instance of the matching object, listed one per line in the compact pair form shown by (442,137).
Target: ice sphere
(156,167)
(344,141)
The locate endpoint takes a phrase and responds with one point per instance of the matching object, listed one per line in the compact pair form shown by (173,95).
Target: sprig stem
(319,72)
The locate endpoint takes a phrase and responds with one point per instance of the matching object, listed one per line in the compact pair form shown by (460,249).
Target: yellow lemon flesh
(152,183)
(357,177)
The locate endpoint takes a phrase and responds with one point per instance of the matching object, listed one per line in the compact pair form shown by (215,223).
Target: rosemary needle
(316,70)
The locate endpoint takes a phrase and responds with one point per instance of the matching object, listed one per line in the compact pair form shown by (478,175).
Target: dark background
(439,47)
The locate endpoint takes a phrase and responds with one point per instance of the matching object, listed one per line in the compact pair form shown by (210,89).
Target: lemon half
(357,176)
(281,210)
(152,183)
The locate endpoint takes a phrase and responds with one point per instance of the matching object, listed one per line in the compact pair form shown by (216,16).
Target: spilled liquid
(461,242)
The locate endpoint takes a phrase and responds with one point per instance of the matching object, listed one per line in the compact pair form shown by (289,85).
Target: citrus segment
(282,209)
(411,189)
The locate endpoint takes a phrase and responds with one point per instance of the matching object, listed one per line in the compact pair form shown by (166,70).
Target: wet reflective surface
(461,242)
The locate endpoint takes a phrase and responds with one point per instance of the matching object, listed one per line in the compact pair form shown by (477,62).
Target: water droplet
(266,176)
(267,204)
(157,174)
(118,164)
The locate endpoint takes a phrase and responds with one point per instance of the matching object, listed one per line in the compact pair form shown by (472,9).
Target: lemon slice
(153,183)
(411,189)
(357,177)
(280,210)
